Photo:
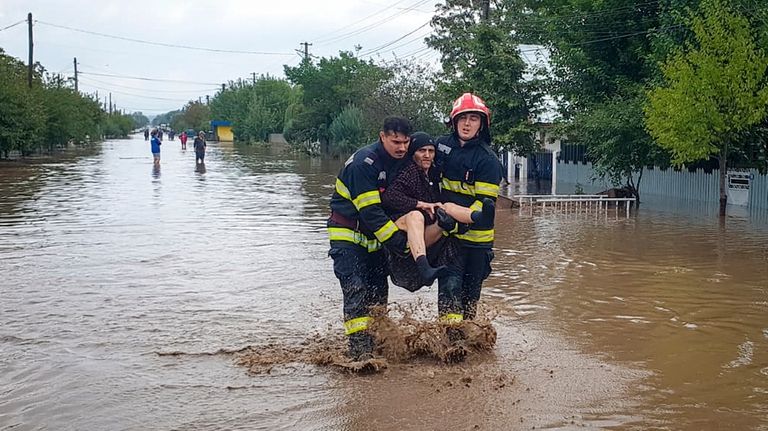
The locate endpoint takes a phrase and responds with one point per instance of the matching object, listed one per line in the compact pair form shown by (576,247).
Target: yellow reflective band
(386,231)
(477,235)
(476,206)
(356,325)
(367,198)
(349,235)
(342,190)
(452,318)
(487,189)
(458,187)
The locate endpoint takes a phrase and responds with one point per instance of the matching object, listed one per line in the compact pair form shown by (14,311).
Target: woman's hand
(428,207)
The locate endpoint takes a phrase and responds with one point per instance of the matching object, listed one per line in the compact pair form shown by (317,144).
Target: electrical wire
(12,25)
(169,45)
(322,37)
(86,83)
(372,25)
(380,47)
(153,90)
(141,78)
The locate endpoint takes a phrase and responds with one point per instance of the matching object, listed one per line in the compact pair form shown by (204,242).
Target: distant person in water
(183,139)
(200,147)
(146,134)
(155,147)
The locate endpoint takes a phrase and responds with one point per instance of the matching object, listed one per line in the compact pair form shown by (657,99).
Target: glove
(446,222)
(398,244)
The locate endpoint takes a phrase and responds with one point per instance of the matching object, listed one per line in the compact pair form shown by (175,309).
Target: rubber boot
(427,273)
(360,346)
(457,352)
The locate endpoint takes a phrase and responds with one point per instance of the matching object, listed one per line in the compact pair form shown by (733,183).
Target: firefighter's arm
(487,178)
(363,191)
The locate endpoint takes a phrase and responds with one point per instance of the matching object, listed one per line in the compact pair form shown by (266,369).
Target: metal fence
(683,185)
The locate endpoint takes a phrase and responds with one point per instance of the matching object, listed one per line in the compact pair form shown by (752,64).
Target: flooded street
(123,288)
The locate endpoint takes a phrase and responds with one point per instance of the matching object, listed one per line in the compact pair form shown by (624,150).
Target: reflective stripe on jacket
(357,197)
(470,173)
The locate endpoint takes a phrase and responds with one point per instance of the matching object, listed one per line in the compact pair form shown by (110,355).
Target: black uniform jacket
(470,173)
(357,216)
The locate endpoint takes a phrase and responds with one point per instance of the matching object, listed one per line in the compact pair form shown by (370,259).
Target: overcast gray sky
(269,31)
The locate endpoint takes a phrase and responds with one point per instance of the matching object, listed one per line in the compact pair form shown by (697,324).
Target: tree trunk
(723,193)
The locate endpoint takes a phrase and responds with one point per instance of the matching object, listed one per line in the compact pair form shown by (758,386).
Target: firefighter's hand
(398,244)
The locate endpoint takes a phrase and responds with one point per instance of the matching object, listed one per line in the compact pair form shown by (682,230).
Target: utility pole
(253,74)
(486,9)
(75,74)
(306,49)
(110,102)
(223,87)
(29,69)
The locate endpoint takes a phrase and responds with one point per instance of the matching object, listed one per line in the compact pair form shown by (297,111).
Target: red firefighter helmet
(468,102)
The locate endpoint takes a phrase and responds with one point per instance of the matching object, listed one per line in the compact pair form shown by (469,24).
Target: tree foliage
(714,88)
(195,115)
(255,109)
(410,92)
(600,55)
(618,152)
(22,111)
(347,131)
(139,120)
(327,87)
(50,114)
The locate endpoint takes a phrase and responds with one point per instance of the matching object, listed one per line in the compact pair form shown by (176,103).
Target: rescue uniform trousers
(459,290)
(363,279)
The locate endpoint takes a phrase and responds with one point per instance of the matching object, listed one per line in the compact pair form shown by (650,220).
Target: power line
(380,47)
(141,78)
(169,45)
(154,90)
(13,25)
(322,37)
(85,82)
(415,52)
(372,25)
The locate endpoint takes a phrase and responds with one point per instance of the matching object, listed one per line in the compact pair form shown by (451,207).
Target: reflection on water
(200,168)
(659,320)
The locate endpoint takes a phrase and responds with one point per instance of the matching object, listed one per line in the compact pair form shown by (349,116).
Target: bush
(347,131)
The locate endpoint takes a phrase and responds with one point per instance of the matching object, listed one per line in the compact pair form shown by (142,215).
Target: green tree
(327,87)
(139,120)
(22,113)
(409,92)
(600,64)
(255,109)
(166,118)
(714,90)
(70,116)
(194,115)
(347,131)
(617,152)
(480,54)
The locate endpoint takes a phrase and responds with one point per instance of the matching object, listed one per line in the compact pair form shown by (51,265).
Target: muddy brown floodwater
(182,298)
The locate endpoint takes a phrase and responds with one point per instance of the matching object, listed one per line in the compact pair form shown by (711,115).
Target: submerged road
(106,264)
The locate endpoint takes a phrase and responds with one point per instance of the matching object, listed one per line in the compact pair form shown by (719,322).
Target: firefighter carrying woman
(392,201)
